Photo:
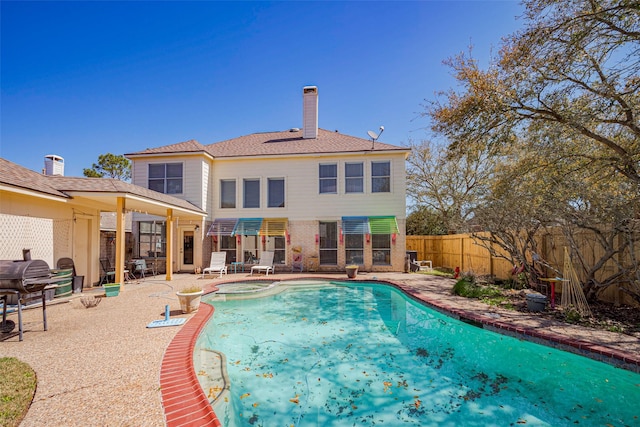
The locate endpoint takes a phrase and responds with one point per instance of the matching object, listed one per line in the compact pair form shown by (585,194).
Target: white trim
(170,154)
(129,196)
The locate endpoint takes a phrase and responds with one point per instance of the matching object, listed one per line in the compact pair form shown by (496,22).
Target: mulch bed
(623,319)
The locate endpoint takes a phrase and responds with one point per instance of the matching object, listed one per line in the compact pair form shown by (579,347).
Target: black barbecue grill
(24,279)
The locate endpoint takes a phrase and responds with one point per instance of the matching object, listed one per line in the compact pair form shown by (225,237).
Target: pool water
(245,287)
(365,355)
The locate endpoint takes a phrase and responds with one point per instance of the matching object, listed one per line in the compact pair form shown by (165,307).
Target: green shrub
(572,315)
(466,287)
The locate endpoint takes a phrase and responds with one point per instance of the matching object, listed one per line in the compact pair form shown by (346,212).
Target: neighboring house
(339,198)
(56,216)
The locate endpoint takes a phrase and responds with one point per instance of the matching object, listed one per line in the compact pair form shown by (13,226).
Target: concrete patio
(101,366)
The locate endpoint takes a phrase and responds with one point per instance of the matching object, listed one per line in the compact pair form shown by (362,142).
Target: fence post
(462,266)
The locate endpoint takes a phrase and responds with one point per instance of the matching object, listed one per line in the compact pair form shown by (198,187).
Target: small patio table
(235,265)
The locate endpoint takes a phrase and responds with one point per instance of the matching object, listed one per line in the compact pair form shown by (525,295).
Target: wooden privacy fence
(460,250)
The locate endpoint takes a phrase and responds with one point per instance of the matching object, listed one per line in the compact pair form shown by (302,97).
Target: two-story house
(337,198)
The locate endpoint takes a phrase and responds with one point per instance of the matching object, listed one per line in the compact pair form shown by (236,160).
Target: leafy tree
(574,69)
(111,166)
(559,108)
(423,222)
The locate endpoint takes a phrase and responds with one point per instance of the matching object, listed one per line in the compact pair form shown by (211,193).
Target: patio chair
(297,262)
(217,264)
(108,272)
(140,267)
(265,264)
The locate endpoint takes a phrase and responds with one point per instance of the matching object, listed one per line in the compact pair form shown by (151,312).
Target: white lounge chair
(425,265)
(265,264)
(217,264)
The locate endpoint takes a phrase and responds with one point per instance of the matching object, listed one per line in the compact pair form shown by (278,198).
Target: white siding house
(337,198)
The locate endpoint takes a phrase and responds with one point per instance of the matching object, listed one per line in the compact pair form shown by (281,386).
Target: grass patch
(17,387)
(499,302)
(435,272)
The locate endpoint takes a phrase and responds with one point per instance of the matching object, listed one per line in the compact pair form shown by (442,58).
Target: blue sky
(80,79)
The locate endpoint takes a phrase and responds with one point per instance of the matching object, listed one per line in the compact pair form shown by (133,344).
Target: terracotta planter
(352,272)
(189,302)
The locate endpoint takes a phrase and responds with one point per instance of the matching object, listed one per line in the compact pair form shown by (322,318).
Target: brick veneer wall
(303,234)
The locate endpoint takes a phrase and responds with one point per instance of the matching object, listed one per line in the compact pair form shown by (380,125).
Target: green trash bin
(64,286)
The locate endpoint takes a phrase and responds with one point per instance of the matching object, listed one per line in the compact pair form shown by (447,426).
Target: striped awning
(355,225)
(383,224)
(247,227)
(222,227)
(274,226)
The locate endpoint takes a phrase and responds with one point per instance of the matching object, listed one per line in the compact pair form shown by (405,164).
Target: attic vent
(294,130)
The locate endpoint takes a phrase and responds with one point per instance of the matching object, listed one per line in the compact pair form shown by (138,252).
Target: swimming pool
(365,354)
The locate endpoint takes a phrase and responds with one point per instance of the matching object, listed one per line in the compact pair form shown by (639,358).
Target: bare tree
(449,186)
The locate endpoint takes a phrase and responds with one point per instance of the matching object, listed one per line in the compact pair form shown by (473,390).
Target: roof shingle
(288,142)
(21,177)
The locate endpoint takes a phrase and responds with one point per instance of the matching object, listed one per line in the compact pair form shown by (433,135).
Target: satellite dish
(374,136)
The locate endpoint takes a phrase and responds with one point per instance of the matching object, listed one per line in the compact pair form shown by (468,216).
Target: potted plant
(190,298)
(352,271)
(313,263)
(112,289)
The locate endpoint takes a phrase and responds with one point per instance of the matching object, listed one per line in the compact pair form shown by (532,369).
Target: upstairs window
(227,193)
(354,177)
(275,196)
(165,178)
(380,177)
(328,179)
(251,193)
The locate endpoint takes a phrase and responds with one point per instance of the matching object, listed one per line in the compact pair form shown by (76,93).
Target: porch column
(120,242)
(169,244)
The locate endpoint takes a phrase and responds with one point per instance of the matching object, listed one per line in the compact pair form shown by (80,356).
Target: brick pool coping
(185,403)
